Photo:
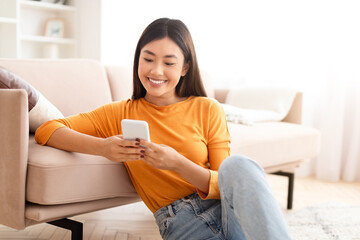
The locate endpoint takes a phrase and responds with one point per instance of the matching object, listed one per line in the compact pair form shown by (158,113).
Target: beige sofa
(42,184)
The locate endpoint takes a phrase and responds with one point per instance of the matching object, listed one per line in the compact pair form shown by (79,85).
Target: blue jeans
(247,209)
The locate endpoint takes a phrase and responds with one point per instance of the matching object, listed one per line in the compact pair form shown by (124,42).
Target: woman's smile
(157,81)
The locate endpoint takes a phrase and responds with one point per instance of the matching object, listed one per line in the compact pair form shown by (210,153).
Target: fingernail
(137,139)
(142,156)
(142,151)
(137,143)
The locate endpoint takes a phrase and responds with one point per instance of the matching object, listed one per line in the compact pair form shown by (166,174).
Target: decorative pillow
(258,104)
(40,109)
(248,116)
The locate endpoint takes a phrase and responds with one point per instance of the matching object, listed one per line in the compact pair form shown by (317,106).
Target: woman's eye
(148,60)
(169,64)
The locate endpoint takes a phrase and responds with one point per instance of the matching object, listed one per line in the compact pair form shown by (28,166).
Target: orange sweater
(196,128)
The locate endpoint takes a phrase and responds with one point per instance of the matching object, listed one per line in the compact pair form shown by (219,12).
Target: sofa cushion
(9,80)
(274,143)
(72,85)
(261,104)
(248,116)
(40,109)
(58,177)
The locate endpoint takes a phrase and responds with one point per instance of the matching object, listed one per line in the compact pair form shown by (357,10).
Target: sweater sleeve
(218,148)
(101,122)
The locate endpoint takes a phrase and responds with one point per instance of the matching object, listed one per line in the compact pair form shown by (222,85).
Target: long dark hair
(190,84)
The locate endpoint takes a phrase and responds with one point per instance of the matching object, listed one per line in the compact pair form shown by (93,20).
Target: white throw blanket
(248,105)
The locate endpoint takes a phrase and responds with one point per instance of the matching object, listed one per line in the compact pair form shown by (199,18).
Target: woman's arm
(91,133)
(194,174)
(164,157)
(114,148)
(67,139)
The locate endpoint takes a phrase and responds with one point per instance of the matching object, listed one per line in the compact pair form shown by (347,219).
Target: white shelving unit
(41,39)
(8,28)
(33,42)
(45,5)
(22,28)
(7,20)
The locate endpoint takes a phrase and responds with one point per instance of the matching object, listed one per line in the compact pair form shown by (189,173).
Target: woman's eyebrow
(171,56)
(166,56)
(149,52)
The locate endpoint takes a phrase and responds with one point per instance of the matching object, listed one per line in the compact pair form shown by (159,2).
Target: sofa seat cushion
(274,143)
(58,177)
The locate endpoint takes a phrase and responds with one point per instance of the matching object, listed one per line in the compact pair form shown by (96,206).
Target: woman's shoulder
(118,105)
(210,102)
(125,102)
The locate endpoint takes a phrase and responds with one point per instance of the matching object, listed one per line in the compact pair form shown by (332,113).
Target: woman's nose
(157,70)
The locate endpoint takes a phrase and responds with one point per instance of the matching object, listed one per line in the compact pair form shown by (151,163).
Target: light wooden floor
(135,221)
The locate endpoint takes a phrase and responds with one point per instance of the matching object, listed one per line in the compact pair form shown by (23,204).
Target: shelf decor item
(60,2)
(54,27)
(48,1)
(53,1)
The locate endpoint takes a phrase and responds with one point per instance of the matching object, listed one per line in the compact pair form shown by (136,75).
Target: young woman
(186,169)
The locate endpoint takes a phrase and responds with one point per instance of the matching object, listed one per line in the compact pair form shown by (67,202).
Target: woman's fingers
(126,157)
(118,139)
(130,150)
(117,149)
(153,146)
(126,154)
(159,156)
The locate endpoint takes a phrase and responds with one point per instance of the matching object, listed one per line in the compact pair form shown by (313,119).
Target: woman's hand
(164,157)
(161,156)
(117,149)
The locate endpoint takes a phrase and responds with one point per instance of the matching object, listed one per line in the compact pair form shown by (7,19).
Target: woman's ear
(185,69)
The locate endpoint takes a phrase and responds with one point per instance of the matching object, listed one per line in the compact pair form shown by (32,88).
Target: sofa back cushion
(121,82)
(73,86)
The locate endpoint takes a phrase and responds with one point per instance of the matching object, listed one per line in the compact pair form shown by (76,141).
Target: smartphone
(133,129)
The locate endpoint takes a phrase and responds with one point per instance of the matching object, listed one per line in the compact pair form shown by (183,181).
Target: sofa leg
(291,177)
(75,227)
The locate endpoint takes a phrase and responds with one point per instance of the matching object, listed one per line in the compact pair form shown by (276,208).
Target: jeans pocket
(213,218)
(164,226)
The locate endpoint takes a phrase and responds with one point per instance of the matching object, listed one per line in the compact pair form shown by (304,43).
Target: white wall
(245,42)
(88,28)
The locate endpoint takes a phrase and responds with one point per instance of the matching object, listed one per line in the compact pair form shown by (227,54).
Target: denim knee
(239,167)
(238,163)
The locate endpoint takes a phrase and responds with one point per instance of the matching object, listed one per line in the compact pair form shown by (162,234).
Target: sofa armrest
(14,139)
(220,94)
(294,115)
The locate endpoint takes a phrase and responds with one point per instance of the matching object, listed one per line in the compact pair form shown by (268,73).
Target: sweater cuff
(214,192)
(44,132)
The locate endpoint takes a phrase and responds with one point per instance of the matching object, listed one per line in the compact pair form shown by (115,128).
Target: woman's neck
(164,101)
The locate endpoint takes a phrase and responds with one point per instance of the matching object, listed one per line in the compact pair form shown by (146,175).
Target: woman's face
(161,64)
